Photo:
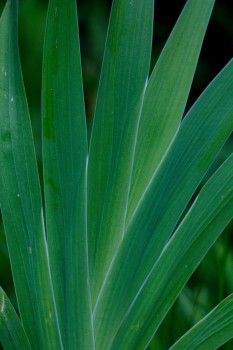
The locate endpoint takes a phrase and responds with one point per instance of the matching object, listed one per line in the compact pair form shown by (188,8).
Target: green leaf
(21,197)
(200,137)
(210,214)
(212,331)
(12,335)
(64,160)
(167,93)
(123,79)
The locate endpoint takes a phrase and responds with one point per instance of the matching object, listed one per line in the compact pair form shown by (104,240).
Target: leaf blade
(210,214)
(12,335)
(212,331)
(21,198)
(64,162)
(123,78)
(166,95)
(201,135)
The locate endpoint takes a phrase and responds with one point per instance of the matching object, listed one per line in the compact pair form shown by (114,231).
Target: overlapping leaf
(121,91)
(136,273)
(21,198)
(202,134)
(166,94)
(209,215)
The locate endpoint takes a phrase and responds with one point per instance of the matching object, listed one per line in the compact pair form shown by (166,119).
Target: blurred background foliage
(213,280)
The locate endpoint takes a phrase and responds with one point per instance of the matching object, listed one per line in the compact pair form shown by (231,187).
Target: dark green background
(214,278)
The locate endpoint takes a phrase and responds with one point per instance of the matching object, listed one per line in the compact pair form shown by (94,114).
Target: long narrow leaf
(212,331)
(167,93)
(12,335)
(124,75)
(203,132)
(209,215)
(21,198)
(64,159)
